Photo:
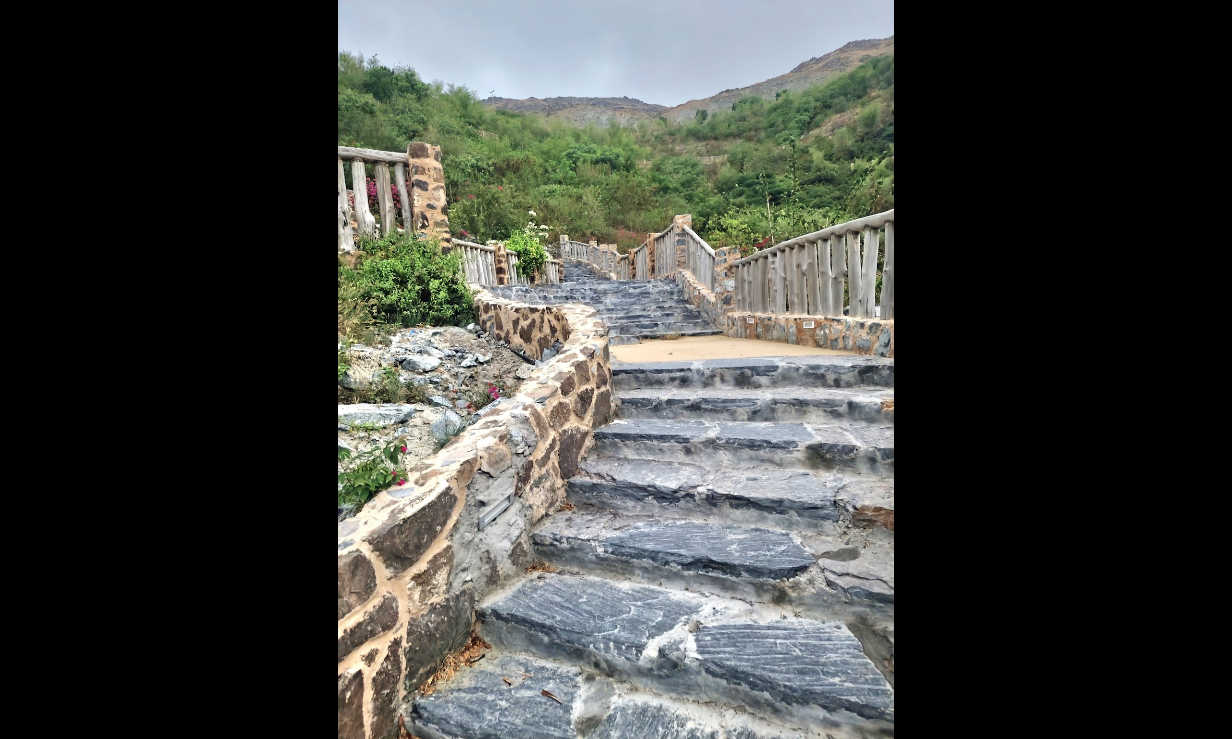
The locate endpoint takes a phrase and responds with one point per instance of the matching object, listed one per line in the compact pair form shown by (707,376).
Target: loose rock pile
(453,367)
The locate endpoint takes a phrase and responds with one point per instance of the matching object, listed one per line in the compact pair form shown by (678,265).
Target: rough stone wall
(413,563)
(677,223)
(860,335)
(426,181)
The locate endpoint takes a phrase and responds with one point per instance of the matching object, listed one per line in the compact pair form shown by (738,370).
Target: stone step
(758,372)
(694,646)
(659,330)
(582,541)
(799,500)
(502,697)
(839,444)
(756,404)
(623,340)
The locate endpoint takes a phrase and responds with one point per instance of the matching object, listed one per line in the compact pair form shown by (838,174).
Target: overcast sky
(659,51)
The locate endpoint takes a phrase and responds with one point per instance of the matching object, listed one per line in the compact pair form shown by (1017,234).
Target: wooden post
(824,288)
(363,217)
(810,277)
(408,222)
(346,237)
(799,304)
(385,199)
(869,292)
(887,275)
(839,255)
(855,276)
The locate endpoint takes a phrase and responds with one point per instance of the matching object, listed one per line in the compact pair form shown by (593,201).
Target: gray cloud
(665,51)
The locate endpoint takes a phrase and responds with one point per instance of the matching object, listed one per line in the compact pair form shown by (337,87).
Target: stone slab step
(501,697)
(689,645)
(843,443)
(758,372)
(660,330)
(580,539)
(756,404)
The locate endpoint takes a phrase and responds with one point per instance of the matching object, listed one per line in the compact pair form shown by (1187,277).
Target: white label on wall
(808,324)
(750,319)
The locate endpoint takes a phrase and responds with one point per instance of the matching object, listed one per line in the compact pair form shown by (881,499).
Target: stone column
(501,262)
(677,227)
(429,208)
(564,239)
(650,255)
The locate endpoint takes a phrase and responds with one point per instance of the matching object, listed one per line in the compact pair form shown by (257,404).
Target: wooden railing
(478,261)
(698,258)
(664,245)
(639,259)
(364,220)
(806,275)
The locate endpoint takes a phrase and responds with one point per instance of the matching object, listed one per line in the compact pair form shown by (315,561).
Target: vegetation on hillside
(757,174)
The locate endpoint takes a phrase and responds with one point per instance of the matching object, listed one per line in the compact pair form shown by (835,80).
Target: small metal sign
(808,324)
(750,319)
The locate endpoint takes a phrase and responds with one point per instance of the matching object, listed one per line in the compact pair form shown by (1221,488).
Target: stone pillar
(677,228)
(564,239)
(426,182)
(650,255)
(501,262)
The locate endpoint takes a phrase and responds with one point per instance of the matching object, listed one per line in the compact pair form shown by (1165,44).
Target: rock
(521,373)
(440,401)
(356,581)
(483,358)
(461,404)
(421,363)
(799,662)
(351,705)
(468,362)
(434,352)
(419,381)
(386,414)
(450,353)
(473,328)
(439,632)
(615,620)
(376,621)
(447,426)
(469,704)
(351,383)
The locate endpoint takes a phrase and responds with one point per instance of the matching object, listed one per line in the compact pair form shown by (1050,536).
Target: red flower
(498,187)
(404,448)
(401,482)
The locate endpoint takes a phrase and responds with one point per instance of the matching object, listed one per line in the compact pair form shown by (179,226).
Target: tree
(701,116)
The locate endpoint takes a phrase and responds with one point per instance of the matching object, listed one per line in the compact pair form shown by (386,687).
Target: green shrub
(410,283)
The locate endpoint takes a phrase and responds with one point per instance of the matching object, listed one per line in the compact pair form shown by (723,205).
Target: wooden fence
(807,275)
(364,220)
(479,265)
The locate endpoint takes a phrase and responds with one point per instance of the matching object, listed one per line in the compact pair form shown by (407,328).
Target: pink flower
(404,448)
(401,482)
(498,187)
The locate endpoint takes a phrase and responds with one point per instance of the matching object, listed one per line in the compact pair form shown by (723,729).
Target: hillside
(582,110)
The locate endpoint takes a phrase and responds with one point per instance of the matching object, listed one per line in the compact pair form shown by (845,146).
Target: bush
(410,282)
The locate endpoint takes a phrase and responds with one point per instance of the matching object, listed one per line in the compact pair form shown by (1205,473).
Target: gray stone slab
(477,703)
(593,614)
(676,430)
(386,414)
(774,491)
(645,720)
(736,551)
(797,662)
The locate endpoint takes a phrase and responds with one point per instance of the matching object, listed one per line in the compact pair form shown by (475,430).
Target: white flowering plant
(527,244)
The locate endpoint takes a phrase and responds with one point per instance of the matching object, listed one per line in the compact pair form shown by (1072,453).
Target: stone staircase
(632,309)
(726,570)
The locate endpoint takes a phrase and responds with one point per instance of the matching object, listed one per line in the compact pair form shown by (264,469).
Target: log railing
(639,260)
(806,275)
(664,245)
(698,258)
(478,261)
(364,220)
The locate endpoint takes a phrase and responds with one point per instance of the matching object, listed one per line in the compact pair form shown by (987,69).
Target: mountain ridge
(583,110)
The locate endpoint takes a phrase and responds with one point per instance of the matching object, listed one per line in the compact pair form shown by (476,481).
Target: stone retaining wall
(860,335)
(413,563)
